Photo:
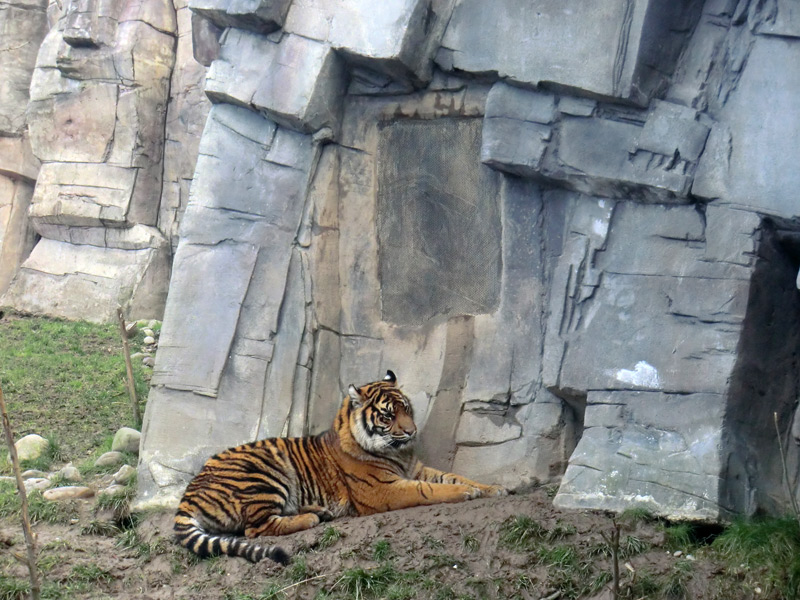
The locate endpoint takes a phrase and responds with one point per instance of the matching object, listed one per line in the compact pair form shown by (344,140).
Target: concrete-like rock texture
(573,232)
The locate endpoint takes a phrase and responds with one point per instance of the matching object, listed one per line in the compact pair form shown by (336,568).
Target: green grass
(521,533)
(368,583)
(39,509)
(13,588)
(769,550)
(382,550)
(66,381)
(330,535)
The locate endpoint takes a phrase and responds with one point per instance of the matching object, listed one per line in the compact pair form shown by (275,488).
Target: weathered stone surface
(31,447)
(186,116)
(440,249)
(637,290)
(87,282)
(652,160)
(17,236)
(752,153)
(262,16)
(649,450)
(126,439)
(476,429)
(82,194)
(400,41)
(96,118)
(23,25)
(501,37)
(297,82)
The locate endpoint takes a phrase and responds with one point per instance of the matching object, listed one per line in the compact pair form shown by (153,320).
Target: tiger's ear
(390,377)
(355,396)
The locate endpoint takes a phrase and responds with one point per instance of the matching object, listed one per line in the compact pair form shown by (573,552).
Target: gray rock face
(620,49)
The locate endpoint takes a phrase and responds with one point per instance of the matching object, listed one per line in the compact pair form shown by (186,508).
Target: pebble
(148,332)
(109,459)
(69,492)
(149,340)
(152,323)
(126,440)
(131,329)
(138,355)
(34,473)
(149,361)
(677,553)
(125,474)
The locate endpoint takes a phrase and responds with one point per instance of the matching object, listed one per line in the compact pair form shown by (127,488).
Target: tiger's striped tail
(190,535)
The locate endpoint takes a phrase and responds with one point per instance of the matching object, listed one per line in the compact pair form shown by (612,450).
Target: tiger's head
(381,417)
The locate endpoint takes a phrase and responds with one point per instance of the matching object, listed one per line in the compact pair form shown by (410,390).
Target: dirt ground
(514,547)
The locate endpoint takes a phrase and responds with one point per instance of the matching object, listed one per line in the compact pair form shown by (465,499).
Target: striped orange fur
(364,464)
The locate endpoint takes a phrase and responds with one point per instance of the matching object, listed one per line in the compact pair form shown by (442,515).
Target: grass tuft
(330,535)
(368,583)
(521,533)
(382,551)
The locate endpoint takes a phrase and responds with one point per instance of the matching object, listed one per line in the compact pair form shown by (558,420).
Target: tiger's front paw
(491,491)
(472,493)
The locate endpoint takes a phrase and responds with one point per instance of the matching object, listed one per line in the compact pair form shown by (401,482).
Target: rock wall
(570,228)
(105,113)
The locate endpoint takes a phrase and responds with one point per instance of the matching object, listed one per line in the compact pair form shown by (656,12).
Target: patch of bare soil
(514,547)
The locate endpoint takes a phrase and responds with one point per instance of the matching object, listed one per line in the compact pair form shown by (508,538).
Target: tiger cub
(363,465)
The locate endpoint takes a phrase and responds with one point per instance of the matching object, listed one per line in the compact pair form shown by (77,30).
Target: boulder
(31,447)
(126,439)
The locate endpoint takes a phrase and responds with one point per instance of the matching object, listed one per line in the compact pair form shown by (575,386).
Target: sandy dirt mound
(514,547)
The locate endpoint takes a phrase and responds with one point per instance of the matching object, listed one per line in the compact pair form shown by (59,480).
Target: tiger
(364,464)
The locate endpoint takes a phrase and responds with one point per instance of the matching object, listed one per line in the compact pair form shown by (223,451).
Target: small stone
(124,475)
(149,340)
(70,473)
(131,329)
(30,447)
(148,333)
(112,490)
(677,553)
(149,361)
(126,440)
(138,355)
(690,557)
(153,323)
(757,590)
(69,492)
(109,459)
(37,483)
(34,473)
